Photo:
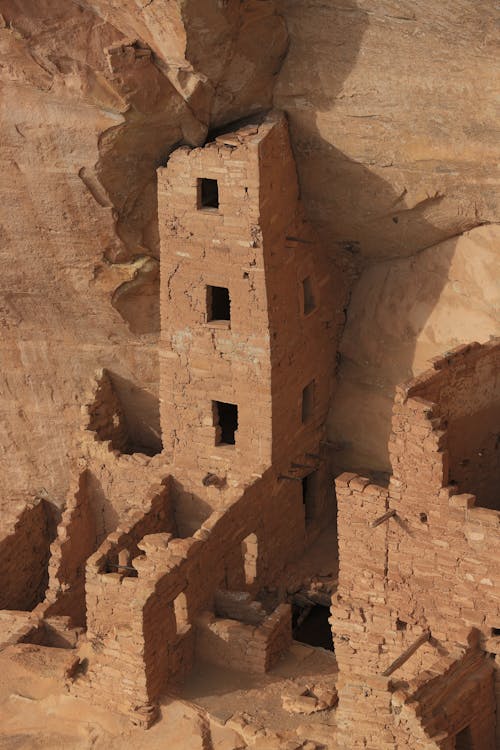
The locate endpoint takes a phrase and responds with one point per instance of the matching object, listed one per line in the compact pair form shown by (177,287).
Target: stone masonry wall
(432,568)
(465,391)
(203,361)
(365,630)
(150,645)
(251,648)
(115,642)
(76,540)
(301,292)
(78,537)
(116,484)
(257,245)
(454,694)
(448,575)
(239,509)
(118,412)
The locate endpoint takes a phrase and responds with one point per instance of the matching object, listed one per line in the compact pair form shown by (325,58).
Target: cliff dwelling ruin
(222,566)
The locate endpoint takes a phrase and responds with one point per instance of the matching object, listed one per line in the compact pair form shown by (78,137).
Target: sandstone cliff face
(403,312)
(392,108)
(392,124)
(89,110)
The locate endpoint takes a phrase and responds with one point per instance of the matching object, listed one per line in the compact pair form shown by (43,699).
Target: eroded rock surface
(393,123)
(393,119)
(393,129)
(94,98)
(403,312)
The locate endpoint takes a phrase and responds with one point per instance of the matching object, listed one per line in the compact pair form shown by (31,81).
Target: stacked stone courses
(237,510)
(269,351)
(429,574)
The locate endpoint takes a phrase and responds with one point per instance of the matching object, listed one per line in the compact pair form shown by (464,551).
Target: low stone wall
(454,695)
(76,540)
(463,391)
(117,636)
(140,629)
(249,648)
(78,537)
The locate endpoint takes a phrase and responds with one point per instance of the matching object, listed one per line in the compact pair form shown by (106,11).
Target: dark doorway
(208,193)
(218,303)
(312,627)
(308,495)
(225,422)
(463,740)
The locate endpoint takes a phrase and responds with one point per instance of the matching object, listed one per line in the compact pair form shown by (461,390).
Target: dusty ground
(36,713)
(252,704)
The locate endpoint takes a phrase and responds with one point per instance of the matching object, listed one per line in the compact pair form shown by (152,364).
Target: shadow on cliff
(367,223)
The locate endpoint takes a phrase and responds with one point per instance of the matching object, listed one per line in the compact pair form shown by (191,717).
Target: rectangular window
(208,194)
(308,296)
(225,422)
(218,303)
(308,402)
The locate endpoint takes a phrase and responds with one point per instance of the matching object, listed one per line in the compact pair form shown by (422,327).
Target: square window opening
(225,423)
(308,402)
(208,193)
(308,296)
(218,303)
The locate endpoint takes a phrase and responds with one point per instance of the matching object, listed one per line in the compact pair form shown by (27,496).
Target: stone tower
(246,350)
